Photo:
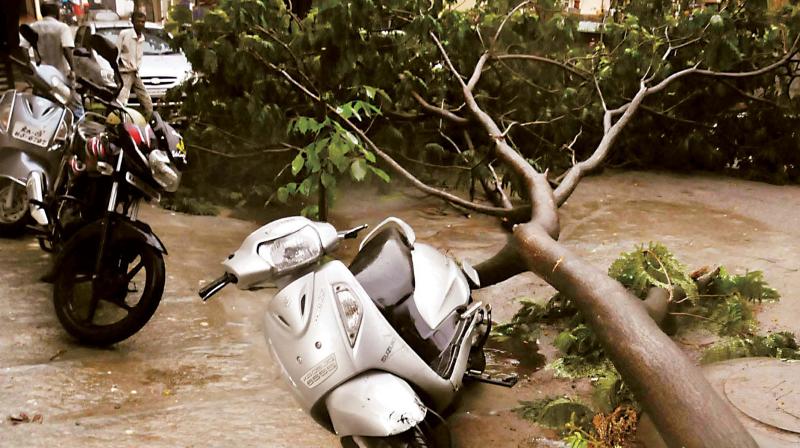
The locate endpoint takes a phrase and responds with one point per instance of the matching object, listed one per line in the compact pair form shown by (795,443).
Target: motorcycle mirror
(108,51)
(29,34)
(105,48)
(82,52)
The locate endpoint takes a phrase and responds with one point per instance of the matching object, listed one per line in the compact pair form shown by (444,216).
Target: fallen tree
(682,404)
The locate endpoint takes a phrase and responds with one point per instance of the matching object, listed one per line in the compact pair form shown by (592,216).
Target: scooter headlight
(292,251)
(61,91)
(350,311)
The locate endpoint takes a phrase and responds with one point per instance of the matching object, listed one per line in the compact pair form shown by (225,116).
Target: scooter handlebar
(216,286)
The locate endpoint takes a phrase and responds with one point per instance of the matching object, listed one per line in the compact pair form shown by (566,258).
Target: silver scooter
(373,352)
(35,129)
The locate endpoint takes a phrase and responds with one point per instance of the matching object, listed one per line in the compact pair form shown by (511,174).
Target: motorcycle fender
(123,229)
(375,404)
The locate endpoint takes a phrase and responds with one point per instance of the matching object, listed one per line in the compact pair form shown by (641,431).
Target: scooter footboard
(375,404)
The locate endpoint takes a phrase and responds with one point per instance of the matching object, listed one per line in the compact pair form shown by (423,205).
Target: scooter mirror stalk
(352,233)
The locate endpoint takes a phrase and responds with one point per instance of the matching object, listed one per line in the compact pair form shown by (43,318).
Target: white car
(162,66)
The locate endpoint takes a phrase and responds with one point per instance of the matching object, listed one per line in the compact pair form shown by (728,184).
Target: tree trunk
(671,389)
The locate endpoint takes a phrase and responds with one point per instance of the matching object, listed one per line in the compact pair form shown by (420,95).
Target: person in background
(55,40)
(130,44)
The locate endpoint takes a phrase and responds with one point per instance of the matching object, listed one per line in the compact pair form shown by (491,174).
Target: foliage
(332,151)
(776,345)
(557,412)
(717,299)
(524,325)
(186,202)
(261,70)
(751,286)
(616,428)
(610,392)
(653,266)
(581,427)
(574,366)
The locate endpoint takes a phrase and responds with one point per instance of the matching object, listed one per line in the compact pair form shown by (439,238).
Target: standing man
(55,40)
(130,45)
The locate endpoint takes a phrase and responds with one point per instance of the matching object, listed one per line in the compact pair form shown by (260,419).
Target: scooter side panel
(440,285)
(306,339)
(374,404)
(311,346)
(380,347)
(16,164)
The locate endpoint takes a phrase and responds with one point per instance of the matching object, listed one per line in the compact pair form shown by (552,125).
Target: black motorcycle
(109,269)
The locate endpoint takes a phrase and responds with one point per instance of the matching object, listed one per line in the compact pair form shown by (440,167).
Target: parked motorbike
(109,271)
(374,351)
(35,129)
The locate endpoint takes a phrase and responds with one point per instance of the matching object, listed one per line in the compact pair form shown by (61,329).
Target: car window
(155,40)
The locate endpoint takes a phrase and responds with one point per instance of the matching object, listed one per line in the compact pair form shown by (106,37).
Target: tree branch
(505,19)
(441,112)
(396,167)
(530,57)
(544,212)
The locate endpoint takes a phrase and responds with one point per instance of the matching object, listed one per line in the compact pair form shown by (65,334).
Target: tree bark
(689,413)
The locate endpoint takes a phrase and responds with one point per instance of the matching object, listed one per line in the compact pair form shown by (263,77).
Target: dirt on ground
(199,374)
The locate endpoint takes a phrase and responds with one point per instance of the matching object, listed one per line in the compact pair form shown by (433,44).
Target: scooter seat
(383,268)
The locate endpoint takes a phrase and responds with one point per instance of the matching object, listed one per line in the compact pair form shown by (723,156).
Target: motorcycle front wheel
(112,306)
(13,209)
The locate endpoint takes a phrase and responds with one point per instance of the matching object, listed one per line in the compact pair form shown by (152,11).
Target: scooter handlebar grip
(214,287)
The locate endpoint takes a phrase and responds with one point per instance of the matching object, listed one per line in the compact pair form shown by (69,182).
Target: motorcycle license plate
(31,134)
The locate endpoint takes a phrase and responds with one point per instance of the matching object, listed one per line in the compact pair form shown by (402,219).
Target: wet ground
(200,374)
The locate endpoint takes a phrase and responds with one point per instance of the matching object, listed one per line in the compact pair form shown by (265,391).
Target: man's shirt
(131,48)
(54,36)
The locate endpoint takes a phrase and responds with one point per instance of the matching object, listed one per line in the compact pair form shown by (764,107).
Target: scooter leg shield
(375,404)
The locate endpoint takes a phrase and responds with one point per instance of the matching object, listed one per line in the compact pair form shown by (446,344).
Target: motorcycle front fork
(105,233)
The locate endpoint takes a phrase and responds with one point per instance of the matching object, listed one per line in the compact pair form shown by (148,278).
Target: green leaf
(380,173)
(351,138)
(313,163)
(297,164)
(306,186)
(283,194)
(337,154)
(328,181)
(358,169)
(368,155)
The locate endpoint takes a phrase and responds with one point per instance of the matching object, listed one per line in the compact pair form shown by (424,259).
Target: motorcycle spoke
(95,300)
(134,271)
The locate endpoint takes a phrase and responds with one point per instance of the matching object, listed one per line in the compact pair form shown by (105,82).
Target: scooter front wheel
(419,436)
(13,209)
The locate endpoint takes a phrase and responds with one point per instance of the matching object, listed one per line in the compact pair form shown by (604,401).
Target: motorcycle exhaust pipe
(35,188)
